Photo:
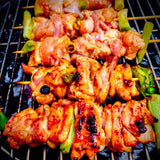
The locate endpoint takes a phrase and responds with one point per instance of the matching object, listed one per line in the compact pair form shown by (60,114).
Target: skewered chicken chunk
(44,125)
(49,51)
(59,121)
(70,25)
(97,20)
(92,80)
(121,83)
(20,127)
(50,7)
(127,124)
(133,43)
(98,45)
(57,26)
(46,83)
(89,135)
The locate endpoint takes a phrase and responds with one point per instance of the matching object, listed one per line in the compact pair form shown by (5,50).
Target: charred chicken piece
(59,121)
(135,116)
(18,127)
(121,83)
(127,124)
(44,125)
(28,127)
(92,80)
(47,83)
(39,132)
(89,135)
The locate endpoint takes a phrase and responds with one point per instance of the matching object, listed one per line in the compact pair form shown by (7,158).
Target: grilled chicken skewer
(95,45)
(47,8)
(47,82)
(123,126)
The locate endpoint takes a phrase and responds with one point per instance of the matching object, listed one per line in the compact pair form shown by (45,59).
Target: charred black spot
(79,127)
(102,105)
(92,139)
(92,129)
(100,61)
(79,111)
(81,120)
(125,63)
(128,83)
(155,120)
(45,89)
(91,120)
(94,146)
(141,127)
(91,108)
(78,77)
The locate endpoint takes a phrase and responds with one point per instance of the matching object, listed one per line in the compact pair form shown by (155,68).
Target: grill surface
(14,98)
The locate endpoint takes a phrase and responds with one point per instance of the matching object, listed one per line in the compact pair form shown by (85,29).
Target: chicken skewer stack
(118,126)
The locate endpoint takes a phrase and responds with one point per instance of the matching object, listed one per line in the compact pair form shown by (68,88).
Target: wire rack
(14,98)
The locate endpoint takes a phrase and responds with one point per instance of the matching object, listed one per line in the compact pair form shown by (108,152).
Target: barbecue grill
(15,98)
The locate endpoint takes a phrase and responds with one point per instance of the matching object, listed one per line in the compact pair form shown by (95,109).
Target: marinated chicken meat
(97,20)
(70,25)
(50,7)
(121,83)
(100,45)
(50,51)
(47,82)
(127,124)
(133,42)
(89,135)
(119,126)
(92,80)
(44,125)
(59,121)
(19,129)
(57,26)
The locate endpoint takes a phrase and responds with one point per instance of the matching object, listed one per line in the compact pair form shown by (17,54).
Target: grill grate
(14,98)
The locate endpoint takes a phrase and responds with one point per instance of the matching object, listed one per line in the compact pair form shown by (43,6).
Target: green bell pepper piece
(83,4)
(146,83)
(29,46)
(119,4)
(66,146)
(68,78)
(27,25)
(38,10)
(3,120)
(147,31)
(154,107)
(123,20)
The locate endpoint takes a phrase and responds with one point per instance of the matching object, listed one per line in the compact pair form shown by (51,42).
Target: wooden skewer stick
(140,18)
(19,52)
(151,41)
(133,79)
(136,79)
(154,41)
(17,27)
(116,19)
(23,82)
(28,7)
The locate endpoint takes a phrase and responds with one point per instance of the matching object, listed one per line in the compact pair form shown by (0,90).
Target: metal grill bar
(9,38)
